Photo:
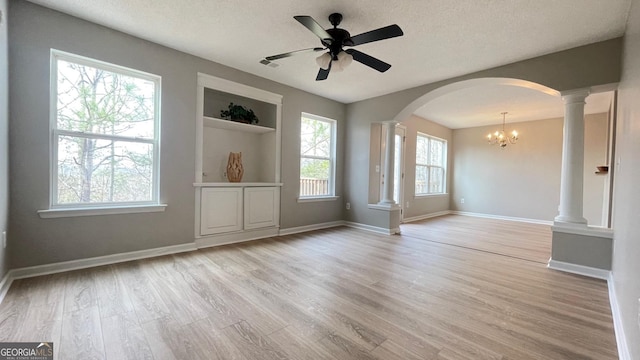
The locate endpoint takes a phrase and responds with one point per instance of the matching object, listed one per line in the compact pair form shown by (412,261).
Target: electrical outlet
(461,200)
(348,206)
(408,205)
(377,168)
(4,239)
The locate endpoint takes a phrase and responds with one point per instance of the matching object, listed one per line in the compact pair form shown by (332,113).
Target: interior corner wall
(626,209)
(33,32)
(424,205)
(4,133)
(523,180)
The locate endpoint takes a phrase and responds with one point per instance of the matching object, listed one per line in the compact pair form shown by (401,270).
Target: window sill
(429,195)
(74,212)
(317,198)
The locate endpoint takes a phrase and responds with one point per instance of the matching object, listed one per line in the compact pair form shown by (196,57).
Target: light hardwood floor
(332,294)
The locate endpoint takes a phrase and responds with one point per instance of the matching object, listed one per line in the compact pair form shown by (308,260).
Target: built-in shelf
(235,126)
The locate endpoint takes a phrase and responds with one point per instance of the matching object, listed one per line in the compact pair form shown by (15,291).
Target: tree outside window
(317,156)
(105,133)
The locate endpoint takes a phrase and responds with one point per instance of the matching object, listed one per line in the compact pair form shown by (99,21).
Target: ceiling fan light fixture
(344,59)
(324,60)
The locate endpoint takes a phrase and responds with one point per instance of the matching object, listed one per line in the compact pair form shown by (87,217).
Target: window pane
(97,101)
(422,179)
(422,150)
(435,156)
(436,180)
(315,138)
(103,171)
(314,177)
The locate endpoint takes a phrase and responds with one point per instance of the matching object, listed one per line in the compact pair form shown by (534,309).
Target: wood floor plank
(210,343)
(80,291)
(13,312)
(450,288)
(147,303)
(165,338)
(113,296)
(389,350)
(82,335)
(124,338)
(252,344)
(298,346)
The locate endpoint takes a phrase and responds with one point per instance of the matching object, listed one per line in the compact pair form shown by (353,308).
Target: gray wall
(423,205)
(599,65)
(34,30)
(4,135)
(626,213)
(523,180)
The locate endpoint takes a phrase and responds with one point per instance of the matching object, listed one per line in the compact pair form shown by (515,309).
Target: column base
(570,221)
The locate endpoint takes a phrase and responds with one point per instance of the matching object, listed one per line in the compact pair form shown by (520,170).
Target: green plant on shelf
(239,113)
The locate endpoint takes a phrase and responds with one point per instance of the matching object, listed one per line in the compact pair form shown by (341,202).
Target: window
(317,156)
(105,134)
(431,165)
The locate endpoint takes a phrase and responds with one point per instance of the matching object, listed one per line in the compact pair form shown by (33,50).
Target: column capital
(575,95)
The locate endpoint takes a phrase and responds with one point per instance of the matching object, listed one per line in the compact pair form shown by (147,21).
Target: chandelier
(502,139)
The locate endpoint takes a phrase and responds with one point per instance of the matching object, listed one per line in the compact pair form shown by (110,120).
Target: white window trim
(93,211)
(67,210)
(332,161)
(444,167)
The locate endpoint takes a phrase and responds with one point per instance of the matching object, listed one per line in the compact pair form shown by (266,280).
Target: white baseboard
(32,271)
(579,269)
(301,229)
(237,237)
(375,229)
(426,216)
(621,339)
(499,217)
(47,269)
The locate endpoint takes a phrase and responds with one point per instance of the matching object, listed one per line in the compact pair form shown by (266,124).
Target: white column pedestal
(389,158)
(572,176)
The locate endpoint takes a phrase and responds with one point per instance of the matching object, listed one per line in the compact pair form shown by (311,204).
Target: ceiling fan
(335,39)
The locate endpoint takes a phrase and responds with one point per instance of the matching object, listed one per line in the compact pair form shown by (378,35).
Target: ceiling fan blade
(368,60)
(323,74)
(315,28)
(291,53)
(386,32)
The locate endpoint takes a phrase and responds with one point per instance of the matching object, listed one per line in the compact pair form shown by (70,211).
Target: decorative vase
(234,167)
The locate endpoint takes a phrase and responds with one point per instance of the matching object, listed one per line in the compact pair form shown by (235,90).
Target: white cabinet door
(261,207)
(221,210)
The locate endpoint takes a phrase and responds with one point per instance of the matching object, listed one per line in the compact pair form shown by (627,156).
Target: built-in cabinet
(230,209)
(230,212)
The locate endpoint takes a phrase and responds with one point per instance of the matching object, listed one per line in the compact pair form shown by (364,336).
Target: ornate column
(389,157)
(572,176)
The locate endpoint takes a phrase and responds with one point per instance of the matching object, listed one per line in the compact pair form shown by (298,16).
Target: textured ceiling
(443,38)
(479,106)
